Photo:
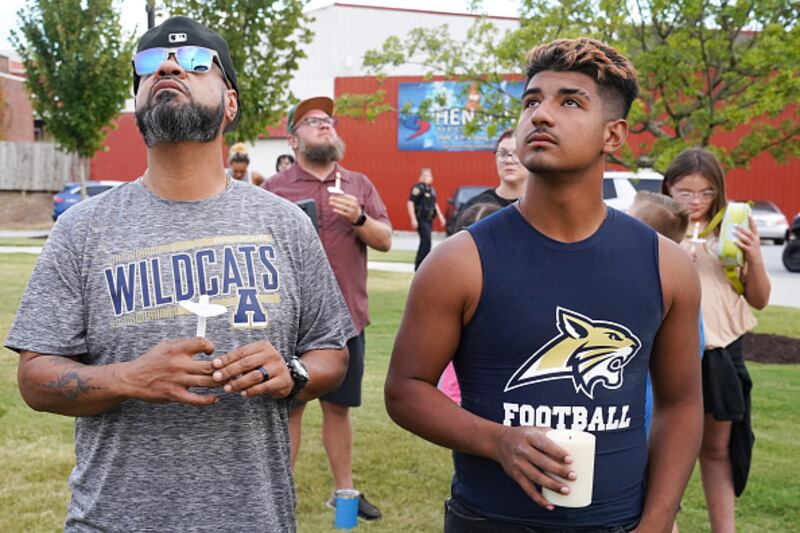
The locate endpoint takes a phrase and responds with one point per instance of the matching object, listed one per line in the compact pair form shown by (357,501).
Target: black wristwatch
(361,219)
(299,374)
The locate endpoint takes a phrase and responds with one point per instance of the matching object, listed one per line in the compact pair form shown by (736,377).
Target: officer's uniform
(424,198)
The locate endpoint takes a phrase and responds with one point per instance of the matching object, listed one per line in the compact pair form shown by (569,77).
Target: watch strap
(361,219)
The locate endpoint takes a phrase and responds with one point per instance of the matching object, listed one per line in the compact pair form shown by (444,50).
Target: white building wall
(264,152)
(344,33)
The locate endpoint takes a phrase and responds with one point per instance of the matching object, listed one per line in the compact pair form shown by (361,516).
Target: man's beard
(162,121)
(324,152)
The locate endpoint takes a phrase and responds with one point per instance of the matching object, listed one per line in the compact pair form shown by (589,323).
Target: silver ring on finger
(264,373)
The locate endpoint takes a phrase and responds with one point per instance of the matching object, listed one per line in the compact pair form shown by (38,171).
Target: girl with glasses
(695,178)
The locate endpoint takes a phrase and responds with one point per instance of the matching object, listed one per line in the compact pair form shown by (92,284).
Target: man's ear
(231,104)
(614,136)
(293,142)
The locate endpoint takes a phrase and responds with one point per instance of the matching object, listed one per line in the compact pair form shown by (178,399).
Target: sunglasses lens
(195,58)
(147,61)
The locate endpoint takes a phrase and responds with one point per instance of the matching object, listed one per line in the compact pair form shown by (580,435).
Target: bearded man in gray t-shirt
(177,432)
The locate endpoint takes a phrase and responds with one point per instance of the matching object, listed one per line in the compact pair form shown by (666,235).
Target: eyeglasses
(316,122)
(688,196)
(502,155)
(190,58)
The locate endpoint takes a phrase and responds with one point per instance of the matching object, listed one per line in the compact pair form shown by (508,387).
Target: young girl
(695,178)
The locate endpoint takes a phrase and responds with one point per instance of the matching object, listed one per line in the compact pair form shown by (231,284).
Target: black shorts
(349,392)
(726,382)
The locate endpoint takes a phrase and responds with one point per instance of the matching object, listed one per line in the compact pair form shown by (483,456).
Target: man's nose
(171,67)
(541,114)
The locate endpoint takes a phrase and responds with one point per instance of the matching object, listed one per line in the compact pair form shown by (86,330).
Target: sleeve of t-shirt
(51,316)
(373,204)
(325,321)
(414,194)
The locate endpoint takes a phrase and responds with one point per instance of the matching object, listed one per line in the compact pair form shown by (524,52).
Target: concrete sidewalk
(24,234)
(409,240)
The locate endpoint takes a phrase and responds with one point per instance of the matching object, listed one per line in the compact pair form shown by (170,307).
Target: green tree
(77,62)
(265,39)
(705,67)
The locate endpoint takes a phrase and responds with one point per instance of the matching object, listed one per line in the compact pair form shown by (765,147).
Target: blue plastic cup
(346,508)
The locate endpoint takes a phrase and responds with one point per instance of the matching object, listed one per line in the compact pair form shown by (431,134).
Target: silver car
(770,221)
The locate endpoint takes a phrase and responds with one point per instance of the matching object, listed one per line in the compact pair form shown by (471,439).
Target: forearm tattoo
(70,384)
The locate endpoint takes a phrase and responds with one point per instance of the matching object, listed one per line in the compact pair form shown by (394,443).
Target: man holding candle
(176,432)
(553,310)
(351,216)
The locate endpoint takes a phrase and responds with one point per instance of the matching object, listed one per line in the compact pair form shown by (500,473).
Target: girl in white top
(696,179)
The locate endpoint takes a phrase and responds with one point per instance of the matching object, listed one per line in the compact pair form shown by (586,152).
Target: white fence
(35,166)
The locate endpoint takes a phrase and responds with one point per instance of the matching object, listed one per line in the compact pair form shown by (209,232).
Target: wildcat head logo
(586,351)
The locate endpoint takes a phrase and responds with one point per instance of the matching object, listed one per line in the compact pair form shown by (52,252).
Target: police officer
(422,207)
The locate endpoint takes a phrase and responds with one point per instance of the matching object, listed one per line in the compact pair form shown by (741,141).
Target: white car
(619,187)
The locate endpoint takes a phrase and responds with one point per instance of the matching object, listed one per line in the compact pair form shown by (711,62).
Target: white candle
(580,446)
(336,189)
(695,234)
(695,240)
(203,310)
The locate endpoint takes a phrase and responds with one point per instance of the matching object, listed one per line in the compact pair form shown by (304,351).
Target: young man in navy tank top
(553,310)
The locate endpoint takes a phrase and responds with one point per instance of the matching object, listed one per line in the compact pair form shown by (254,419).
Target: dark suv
(454,203)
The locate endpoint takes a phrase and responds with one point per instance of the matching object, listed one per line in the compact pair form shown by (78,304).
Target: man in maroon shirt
(350,217)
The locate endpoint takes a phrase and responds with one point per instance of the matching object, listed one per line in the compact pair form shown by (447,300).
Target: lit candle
(695,240)
(203,310)
(580,446)
(336,189)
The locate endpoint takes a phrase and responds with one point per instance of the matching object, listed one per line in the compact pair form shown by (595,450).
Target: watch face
(298,368)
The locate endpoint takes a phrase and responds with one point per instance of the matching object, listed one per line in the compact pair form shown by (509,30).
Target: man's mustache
(172,79)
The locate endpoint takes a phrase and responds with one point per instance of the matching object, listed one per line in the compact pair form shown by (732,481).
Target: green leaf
(265,38)
(77,61)
(704,67)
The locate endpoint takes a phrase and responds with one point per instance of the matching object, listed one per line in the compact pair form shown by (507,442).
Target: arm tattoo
(70,384)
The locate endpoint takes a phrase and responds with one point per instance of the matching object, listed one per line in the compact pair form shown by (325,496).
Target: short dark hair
(282,158)
(239,157)
(613,72)
(474,213)
(505,135)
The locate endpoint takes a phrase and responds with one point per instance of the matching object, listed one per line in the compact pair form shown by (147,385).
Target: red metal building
(372,149)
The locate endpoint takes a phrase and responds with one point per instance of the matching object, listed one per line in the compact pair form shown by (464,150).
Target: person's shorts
(349,392)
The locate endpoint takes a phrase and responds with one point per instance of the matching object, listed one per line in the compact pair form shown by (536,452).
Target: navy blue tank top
(561,337)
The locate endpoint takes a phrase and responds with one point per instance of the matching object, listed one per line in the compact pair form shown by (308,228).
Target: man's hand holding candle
(166,372)
(346,206)
(529,458)
(252,370)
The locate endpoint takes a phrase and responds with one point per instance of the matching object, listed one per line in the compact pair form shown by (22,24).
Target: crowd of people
(546,310)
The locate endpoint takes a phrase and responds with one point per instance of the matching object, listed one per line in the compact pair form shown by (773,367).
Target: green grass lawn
(392,256)
(405,476)
(20,241)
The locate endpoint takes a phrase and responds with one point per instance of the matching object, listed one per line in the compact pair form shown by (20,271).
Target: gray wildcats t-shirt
(105,289)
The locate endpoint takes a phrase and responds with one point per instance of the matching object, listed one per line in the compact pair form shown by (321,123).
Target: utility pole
(151,13)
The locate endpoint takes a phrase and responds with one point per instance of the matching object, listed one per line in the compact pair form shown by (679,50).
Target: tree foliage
(705,67)
(77,62)
(265,39)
